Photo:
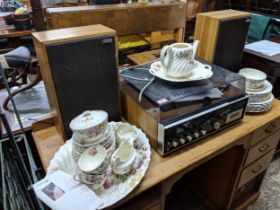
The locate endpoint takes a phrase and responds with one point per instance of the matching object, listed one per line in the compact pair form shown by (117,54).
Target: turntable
(175,114)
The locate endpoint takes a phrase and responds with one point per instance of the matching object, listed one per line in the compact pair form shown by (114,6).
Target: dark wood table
(268,64)
(9,32)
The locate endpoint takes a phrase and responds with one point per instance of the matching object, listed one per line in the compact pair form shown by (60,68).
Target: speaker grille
(231,42)
(85,77)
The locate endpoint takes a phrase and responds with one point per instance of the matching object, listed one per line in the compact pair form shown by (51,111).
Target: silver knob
(169,146)
(182,141)
(189,137)
(196,134)
(174,144)
(217,125)
(203,132)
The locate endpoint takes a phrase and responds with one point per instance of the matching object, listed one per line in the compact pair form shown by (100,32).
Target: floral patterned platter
(115,187)
(200,72)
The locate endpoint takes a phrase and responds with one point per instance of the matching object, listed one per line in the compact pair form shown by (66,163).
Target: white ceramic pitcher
(123,158)
(177,60)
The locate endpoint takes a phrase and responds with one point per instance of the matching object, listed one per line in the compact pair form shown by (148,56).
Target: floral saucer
(200,72)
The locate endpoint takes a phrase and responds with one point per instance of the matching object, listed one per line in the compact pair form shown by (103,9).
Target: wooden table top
(48,142)
(274,58)
(144,57)
(9,31)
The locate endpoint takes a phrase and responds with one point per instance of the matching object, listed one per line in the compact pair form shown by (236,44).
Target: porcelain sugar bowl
(90,124)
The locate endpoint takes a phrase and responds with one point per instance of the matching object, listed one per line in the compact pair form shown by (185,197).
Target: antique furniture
(86,55)
(226,169)
(126,19)
(269,64)
(17,66)
(144,57)
(13,36)
(216,30)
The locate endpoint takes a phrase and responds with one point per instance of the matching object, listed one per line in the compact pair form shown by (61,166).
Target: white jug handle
(195,46)
(166,51)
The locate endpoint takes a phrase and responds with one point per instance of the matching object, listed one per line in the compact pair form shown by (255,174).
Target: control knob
(174,143)
(196,134)
(182,140)
(168,146)
(217,125)
(189,137)
(203,132)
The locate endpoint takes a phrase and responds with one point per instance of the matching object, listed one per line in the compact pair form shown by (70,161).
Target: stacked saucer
(90,129)
(258,90)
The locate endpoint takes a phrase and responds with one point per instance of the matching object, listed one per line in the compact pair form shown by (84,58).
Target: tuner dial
(174,143)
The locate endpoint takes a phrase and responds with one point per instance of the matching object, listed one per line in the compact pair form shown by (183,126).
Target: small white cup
(126,133)
(254,78)
(93,160)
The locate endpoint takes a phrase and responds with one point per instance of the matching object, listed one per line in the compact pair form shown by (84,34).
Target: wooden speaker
(79,69)
(222,35)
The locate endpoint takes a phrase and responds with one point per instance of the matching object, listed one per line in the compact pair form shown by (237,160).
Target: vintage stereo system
(222,36)
(79,69)
(175,115)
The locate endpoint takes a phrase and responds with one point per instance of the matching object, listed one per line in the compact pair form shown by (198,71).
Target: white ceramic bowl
(254,78)
(93,160)
(90,124)
(126,132)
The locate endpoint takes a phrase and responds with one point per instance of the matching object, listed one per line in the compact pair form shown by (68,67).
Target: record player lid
(166,94)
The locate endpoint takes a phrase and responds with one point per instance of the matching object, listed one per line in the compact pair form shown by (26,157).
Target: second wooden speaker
(222,35)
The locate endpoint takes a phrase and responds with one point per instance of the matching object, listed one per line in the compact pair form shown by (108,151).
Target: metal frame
(12,141)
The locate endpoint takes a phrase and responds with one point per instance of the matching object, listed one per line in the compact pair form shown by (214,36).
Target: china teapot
(177,60)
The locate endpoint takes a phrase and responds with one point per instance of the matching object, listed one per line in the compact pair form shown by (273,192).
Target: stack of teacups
(90,129)
(258,90)
(93,166)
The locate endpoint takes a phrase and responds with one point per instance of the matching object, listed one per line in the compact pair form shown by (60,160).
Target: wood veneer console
(126,19)
(235,161)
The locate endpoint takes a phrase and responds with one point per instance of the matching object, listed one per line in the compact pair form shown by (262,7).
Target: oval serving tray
(115,187)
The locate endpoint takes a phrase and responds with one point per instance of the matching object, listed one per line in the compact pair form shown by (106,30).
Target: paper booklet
(60,191)
(265,47)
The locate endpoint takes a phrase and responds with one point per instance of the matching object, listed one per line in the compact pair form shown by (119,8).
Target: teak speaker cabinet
(222,36)
(79,69)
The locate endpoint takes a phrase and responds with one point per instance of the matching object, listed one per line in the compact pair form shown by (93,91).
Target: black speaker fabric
(85,77)
(231,42)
